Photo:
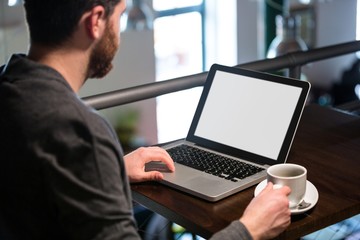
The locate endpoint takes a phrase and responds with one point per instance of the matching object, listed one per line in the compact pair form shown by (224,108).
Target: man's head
(51,22)
(57,23)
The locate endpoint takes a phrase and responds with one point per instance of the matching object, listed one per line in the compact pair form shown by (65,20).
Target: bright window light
(358,20)
(12,3)
(358,24)
(160,5)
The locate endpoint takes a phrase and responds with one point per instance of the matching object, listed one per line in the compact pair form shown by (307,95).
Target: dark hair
(51,22)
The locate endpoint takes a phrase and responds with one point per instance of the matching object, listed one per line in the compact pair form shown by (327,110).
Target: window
(178,36)
(357,87)
(189,36)
(174,5)
(358,20)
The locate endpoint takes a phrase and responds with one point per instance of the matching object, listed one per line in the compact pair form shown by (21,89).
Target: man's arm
(265,217)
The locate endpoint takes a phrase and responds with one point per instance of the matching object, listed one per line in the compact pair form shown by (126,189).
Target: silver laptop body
(243,115)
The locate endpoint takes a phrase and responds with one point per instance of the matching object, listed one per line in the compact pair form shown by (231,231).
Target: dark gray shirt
(62,174)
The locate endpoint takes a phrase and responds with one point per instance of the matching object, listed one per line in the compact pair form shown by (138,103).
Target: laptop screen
(250,113)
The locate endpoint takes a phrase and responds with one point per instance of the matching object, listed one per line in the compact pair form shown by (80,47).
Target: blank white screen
(248,113)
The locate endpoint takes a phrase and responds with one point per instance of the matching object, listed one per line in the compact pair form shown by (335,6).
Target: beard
(101,57)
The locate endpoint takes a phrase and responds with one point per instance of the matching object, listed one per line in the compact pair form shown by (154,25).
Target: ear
(95,22)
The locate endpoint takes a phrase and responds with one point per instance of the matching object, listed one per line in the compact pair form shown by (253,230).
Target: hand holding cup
(291,175)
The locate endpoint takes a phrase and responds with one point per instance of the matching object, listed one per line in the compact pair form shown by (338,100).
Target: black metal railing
(292,61)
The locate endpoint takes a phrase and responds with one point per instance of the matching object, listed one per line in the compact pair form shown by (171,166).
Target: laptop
(245,122)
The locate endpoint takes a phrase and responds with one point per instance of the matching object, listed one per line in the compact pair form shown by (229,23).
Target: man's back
(59,169)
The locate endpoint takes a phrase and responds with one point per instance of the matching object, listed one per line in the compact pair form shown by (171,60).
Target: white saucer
(311,196)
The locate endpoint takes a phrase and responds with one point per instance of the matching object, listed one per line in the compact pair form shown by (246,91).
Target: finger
(163,156)
(155,154)
(267,188)
(153,176)
(287,219)
(285,190)
(169,163)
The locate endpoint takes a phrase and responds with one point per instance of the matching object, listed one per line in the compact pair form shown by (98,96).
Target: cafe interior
(167,48)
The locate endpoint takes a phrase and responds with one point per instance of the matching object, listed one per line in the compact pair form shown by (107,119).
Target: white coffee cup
(291,175)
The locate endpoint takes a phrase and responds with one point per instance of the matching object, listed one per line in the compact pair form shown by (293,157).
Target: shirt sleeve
(235,231)
(86,180)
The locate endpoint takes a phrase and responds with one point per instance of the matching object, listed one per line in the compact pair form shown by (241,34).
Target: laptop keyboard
(212,163)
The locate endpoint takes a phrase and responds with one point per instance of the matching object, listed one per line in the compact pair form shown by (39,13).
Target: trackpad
(203,184)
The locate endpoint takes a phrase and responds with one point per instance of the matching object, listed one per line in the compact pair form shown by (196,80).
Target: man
(62,171)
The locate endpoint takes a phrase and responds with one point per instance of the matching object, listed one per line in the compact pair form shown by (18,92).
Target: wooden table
(327,143)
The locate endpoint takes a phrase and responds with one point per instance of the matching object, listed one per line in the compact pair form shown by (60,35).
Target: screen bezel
(290,133)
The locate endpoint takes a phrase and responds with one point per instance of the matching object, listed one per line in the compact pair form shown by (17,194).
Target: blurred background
(167,39)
